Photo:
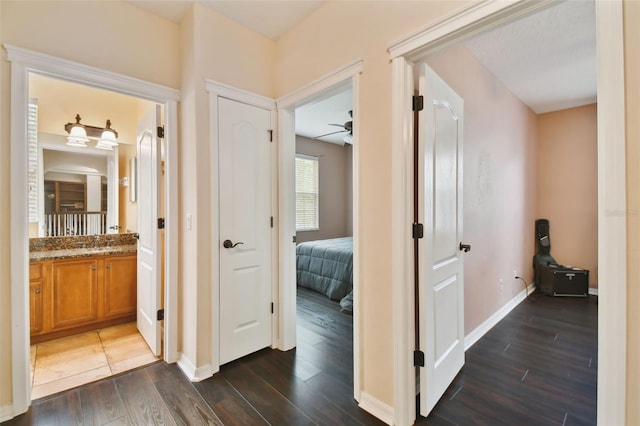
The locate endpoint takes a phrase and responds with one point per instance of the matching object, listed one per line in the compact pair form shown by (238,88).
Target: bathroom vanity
(81,283)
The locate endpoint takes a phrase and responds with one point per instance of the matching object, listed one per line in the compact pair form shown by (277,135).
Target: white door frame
(350,73)
(216,90)
(462,24)
(23,62)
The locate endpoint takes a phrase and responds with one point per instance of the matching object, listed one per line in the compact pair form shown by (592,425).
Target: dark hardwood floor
(538,366)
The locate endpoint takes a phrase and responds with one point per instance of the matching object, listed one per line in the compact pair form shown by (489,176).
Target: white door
(441,260)
(148,181)
(245,229)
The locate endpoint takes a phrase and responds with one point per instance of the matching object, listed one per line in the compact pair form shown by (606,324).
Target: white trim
(593,291)
(349,74)
(194,374)
(75,72)
(20,338)
(229,92)
(219,90)
(316,87)
(612,215)
(612,328)
(463,23)
(477,333)
(377,408)
(23,62)
(404,384)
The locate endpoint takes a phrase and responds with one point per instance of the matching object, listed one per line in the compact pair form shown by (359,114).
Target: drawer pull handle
(94,267)
(37,291)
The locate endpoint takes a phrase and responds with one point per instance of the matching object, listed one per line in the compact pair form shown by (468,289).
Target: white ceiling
(271,18)
(548,60)
(313,119)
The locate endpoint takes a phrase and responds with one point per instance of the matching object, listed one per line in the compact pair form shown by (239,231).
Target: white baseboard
(194,374)
(593,291)
(471,338)
(376,408)
(6,413)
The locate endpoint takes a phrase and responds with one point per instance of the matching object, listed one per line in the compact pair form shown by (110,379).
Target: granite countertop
(35,256)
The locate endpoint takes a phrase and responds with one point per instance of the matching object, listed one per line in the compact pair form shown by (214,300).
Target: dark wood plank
(101,404)
(181,398)
(143,402)
(230,406)
(537,366)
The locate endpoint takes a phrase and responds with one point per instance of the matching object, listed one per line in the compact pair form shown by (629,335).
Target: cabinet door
(120,280)
(74,292)
(36,288)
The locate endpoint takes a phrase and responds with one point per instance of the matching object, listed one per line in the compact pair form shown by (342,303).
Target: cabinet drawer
(35,271)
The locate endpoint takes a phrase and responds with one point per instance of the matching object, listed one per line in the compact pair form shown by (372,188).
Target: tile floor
(65,363)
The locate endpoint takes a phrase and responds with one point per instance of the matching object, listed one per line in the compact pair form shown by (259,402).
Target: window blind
(32,143)
(306,193)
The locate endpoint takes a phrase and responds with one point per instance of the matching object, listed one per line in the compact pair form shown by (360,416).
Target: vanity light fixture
(79,134)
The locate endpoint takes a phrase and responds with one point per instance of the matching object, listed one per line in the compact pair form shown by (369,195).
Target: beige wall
(217,48)
(110,35)
(568,185)
(500,135)
(632,81)
(323,42)
(334,200)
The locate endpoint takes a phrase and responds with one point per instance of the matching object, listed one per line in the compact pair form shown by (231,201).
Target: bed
(326,266)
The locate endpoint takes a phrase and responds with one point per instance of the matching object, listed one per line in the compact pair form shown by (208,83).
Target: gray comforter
(326,266)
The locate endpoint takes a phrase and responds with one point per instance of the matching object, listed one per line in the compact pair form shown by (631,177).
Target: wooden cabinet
(74,292)
(36,285)
(81,294)
(120,292)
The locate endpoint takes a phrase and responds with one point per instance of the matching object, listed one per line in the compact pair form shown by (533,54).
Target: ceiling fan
(346,128)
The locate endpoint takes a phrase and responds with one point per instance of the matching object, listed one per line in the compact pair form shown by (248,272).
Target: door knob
(465,247)
(229,244)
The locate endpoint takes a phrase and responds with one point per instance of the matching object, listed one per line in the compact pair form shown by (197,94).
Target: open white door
(441,262)
(245,229)
(148,181)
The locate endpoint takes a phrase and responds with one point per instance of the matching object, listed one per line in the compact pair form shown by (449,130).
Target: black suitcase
(559,280)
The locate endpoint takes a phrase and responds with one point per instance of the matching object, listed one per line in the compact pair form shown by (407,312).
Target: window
(306,193)
(32,142)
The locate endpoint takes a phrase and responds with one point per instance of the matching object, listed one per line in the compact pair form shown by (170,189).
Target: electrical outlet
(501,284)
(515,274)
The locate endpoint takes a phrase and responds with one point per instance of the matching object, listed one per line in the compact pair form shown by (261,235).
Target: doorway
(25,63)
(82,196)
(324,234)
(455,29)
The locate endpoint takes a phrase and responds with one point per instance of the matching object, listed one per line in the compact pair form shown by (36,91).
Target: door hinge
(271,307)
(272,221)
(161,223)
(294,239)
(417,231)
(160,315)
(270,135)
(418,103)
(418,358)
(161,131)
